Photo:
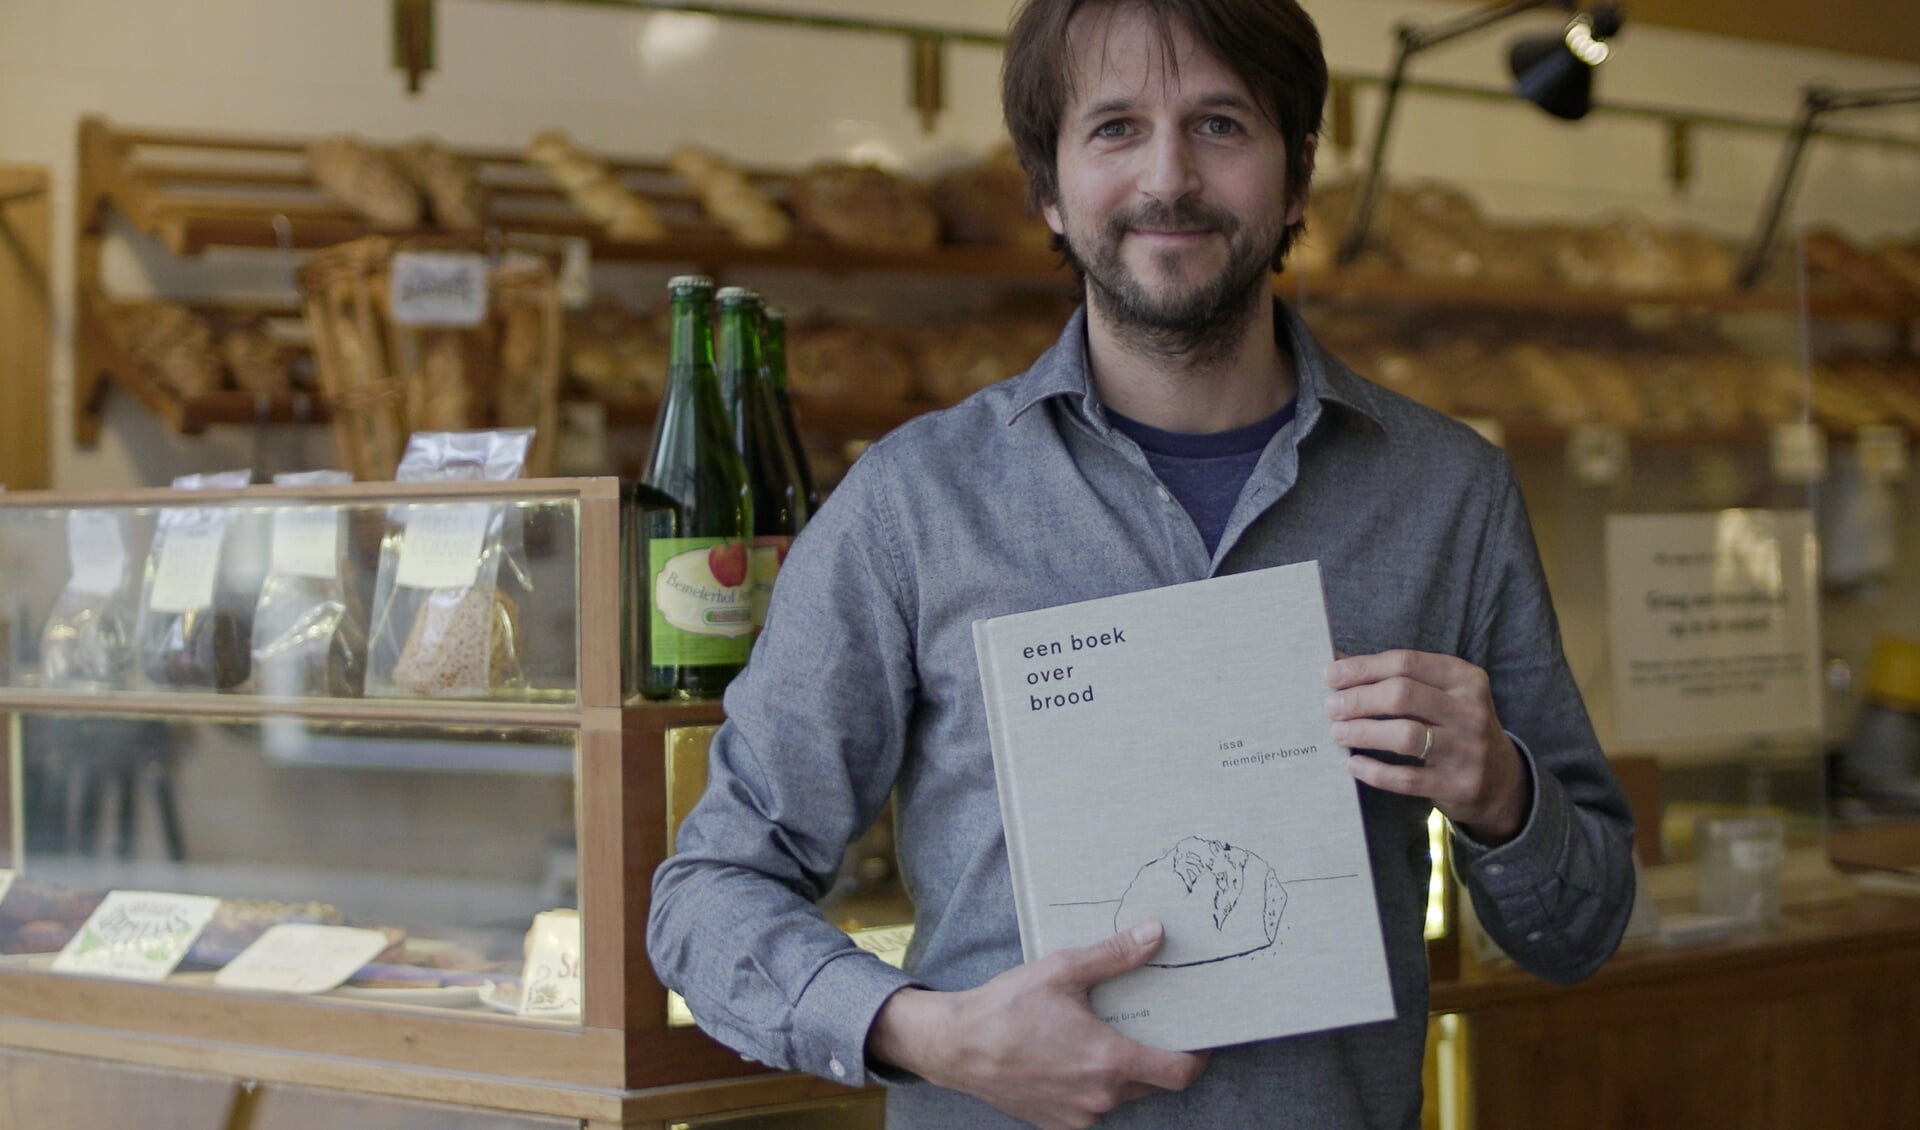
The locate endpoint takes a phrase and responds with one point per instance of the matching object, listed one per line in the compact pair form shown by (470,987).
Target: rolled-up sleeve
(813,740)
(1556,898)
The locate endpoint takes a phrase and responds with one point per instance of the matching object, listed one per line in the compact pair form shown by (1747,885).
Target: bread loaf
(450,183)
(255,361)
(463,642)
(848,361)
(1214,900)
(730,199)
(1829,251)
(595,190)
(172,342)
(987,204)
(363,178)
(861,206)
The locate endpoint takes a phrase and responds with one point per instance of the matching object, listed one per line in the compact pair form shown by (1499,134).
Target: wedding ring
(1426,744)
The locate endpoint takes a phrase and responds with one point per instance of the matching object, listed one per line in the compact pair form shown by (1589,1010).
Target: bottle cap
(690,282)
(736,294)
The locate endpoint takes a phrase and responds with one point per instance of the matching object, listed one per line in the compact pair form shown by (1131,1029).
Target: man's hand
(1028,1043)
(1439,710)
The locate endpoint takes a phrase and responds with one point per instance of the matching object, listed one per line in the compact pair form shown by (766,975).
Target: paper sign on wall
(437,288)
(1714,623)
(550,985)
(301,957)
(188,560)
(136,935)
(442,546)
(306,542)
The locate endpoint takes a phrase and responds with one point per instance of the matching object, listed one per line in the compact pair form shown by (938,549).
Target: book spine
(999,737)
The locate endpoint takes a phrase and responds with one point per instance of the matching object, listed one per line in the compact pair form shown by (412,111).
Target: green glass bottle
(699,595)
(773,350)
(779,493)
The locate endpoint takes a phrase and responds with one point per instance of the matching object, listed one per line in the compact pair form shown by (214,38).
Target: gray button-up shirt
(1024,497)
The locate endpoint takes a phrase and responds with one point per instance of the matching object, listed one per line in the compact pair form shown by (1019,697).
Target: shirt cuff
(1530,860)
(834,1012)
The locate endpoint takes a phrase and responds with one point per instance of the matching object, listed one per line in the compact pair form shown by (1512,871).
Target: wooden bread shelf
(196,191)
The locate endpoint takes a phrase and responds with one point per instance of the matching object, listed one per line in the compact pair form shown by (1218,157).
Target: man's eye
(1111,129)
(1220,127)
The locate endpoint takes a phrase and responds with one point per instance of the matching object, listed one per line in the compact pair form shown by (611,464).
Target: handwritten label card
(301,958)
(306,542)
(551,985)
(97,550)
(187,561)
(136,935)
(442,546)
(437,288)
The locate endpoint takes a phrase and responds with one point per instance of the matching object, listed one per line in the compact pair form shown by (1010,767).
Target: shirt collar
(1323,378)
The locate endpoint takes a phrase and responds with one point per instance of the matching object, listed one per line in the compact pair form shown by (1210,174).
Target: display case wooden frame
(613,1067)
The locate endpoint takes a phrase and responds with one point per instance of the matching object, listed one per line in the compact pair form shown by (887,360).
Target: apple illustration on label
(728,563)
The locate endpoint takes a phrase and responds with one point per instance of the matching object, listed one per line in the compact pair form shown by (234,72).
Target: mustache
(1182,215)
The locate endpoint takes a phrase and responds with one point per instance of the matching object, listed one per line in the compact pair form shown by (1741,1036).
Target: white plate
(437,996)
(500,998)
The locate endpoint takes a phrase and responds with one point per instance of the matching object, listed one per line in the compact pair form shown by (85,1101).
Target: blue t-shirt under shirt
(1205,472)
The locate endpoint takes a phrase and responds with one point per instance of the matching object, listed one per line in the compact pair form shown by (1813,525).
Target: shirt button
(835,1066)
(1496,869)
(1162,492)
(1535,936)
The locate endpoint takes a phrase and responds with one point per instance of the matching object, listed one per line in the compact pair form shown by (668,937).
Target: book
(1167,754)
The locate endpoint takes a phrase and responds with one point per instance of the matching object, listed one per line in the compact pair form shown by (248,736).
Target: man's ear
(1050,210)
(1297,208)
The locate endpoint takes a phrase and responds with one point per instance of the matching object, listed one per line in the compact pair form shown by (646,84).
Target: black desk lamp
(1553,71)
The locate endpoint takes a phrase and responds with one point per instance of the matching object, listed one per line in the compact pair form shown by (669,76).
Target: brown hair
(1271,45)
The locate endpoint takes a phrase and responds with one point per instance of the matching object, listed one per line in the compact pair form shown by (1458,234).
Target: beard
(1194,322)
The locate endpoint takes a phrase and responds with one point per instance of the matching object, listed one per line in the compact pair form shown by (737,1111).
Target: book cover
(1167,754)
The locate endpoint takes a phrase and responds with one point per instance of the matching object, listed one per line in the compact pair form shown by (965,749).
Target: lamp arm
(1416,40)
(1354,240)
(1817,102)
(1413,40)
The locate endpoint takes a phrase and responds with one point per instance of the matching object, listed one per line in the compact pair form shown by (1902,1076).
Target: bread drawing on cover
(1216,901)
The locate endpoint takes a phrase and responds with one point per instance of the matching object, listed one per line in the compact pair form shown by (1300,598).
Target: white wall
(635,83)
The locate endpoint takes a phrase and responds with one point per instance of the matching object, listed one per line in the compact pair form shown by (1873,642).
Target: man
(1186,425)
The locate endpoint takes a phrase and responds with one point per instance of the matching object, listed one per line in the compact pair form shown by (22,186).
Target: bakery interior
(1700,298)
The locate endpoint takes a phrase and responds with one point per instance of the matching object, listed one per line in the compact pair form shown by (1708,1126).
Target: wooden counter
(1815,1024)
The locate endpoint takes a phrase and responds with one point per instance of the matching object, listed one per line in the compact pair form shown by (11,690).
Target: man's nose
(1170,173)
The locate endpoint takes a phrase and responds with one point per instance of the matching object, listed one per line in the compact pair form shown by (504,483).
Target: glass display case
(341,773)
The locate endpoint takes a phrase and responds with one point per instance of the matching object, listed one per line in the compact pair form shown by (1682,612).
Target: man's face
(1171,182)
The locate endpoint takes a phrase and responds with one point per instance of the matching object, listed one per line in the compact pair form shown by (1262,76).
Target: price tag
(441,549)
(136,935)
(888,943)
(1597,454)
(97,550)
(1883,452)
(437,288)
(188,561)
(306,542)
(1799,453)
(299,957)
(550,985)
(576,272)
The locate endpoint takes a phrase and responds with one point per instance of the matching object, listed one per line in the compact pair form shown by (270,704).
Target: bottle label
(702,601)
(769,553)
